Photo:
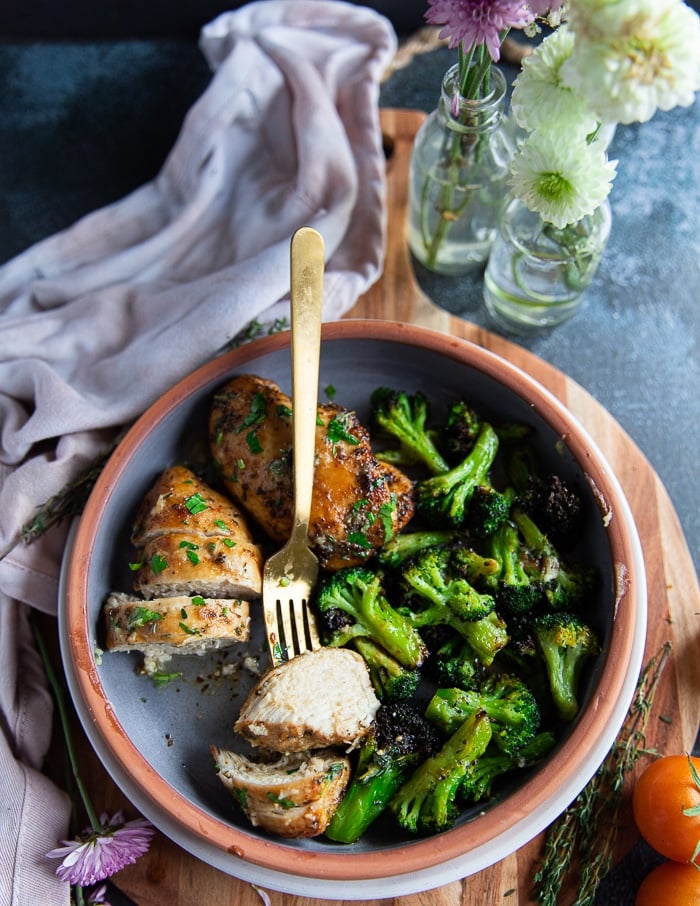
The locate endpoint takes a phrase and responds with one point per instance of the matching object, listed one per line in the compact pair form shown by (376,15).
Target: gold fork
(290,574)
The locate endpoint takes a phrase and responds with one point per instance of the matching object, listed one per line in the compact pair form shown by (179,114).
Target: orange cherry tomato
(661,799)
(670,884)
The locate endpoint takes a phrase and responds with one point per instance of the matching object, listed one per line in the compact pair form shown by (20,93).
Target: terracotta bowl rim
(569,761)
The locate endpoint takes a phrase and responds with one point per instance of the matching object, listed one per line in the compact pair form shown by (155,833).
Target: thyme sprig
(585,834)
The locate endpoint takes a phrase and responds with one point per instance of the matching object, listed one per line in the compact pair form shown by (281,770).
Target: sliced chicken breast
(321,698)
(294,796)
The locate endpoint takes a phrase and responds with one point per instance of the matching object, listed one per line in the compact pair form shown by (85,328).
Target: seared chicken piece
(358,502)
(193,540)
(321,698)
(179,625)
(294,796)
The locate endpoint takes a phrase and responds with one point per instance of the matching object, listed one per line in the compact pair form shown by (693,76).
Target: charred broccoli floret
(506,699)
(566,643)
(481,774)
(399,739)
(488,509)
(565,586)
(444,498)
(405,416)
(389,678)
(517,592)
(404,545)
(426,802)
(455,663)
(462,428)
(351,604)
(435,578)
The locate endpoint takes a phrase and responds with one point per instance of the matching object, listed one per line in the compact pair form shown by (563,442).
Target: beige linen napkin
(97,321)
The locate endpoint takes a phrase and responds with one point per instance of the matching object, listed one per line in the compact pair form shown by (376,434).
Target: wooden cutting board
(168,876)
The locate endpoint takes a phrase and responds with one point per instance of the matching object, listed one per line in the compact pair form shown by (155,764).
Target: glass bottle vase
(459,165)
(537,273)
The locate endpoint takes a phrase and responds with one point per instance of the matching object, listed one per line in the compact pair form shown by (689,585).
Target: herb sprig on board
(580,844)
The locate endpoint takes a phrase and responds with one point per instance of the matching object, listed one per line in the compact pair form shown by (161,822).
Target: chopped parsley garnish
(161,679)
(279,800)
(229,542)
(134,567)
(338,430)
(359,538)
(219,523)
(142,616)
(198,600)
(188,629)
(256,414)
(330,391)
(193,557)
(158,563)
(196,504)
(284,411)
(386,511)
(253,442)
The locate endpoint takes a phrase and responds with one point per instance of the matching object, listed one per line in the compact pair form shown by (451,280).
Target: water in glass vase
(536,274)
(459,166)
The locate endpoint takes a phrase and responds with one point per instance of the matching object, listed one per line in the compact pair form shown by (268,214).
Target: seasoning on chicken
(294,796)
(180,625)
(193,540)
(358,502)
(321,698)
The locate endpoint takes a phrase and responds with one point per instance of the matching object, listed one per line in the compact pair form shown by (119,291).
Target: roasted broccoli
(506,699)
(399,739)
(436,577)
(517,592)
(444,498)
(488,509)
(461,430)
(481,774)
(404,545)
(404,417)
(351,603)
(566,643)
(426,802)
(455,663)
(389,678)
(565,586)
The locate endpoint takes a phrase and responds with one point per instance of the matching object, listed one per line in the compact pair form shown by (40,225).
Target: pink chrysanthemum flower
(478,22)
(96,855)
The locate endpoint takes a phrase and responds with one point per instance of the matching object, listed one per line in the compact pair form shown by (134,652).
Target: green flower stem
(59,698)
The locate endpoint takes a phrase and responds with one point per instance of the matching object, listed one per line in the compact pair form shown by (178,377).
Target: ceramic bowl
(155,740)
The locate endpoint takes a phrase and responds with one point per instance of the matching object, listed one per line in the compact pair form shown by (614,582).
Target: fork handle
(307,265)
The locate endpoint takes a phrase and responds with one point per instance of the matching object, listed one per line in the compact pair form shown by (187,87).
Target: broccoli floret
(351,603)
(456,664)
(461,430)
(493,764)
(517,592)
(405,416)
(443,499)
(507,700)
(431,577)
(487,637)
(565,586)
(404,545)
(389,678)
(566,643)
(399,739)
(426,802)
(488,509)
(553,505)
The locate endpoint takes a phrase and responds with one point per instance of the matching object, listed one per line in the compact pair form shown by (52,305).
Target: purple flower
(478,22)
(96,855)
(97,897)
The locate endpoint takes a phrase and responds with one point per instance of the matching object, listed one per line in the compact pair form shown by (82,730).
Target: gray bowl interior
(174,724)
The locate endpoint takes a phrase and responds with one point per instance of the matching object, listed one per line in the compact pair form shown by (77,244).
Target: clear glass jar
(536,273)
(459,165)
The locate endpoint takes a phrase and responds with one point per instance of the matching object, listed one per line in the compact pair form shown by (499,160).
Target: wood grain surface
(168,876)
